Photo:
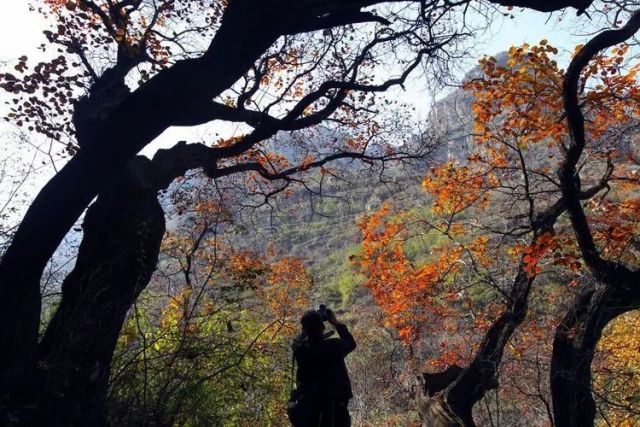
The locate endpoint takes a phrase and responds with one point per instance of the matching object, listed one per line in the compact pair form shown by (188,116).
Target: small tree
(208,341)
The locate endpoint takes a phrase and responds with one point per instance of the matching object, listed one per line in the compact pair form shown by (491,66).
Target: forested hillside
(322,229)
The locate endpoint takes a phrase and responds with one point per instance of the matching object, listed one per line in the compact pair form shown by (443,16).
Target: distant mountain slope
(323,230)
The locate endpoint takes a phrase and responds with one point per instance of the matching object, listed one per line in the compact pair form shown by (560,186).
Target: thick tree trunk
(448,398)
(574,346)
(119,251)
(109,143)
(617,290)
(433,409)
(47,221)
(573,404)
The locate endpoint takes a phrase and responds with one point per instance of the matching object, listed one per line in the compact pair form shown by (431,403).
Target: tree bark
(432,407)
(574,347)
(118,254)
(448,398)
(617,290)
(128,127)
(48,219)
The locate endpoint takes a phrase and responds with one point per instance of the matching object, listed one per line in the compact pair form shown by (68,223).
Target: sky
(21,30)
(21,33)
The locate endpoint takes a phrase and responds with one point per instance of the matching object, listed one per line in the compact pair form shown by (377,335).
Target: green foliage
(220,366)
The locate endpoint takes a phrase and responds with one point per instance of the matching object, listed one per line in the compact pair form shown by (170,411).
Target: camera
(324,312)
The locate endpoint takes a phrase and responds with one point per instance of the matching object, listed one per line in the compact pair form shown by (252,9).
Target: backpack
(300,408)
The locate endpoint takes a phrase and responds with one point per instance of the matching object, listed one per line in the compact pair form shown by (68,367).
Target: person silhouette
(323,387)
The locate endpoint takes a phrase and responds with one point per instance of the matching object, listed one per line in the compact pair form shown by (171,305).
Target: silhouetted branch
(569,177)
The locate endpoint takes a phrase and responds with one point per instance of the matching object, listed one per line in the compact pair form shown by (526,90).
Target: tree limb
(569,177)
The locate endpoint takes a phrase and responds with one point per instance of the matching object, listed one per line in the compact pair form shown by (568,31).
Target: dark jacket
(322,373)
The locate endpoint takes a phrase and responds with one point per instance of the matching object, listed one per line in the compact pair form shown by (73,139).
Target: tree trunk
(574,346)
(119,251)
(45,224)
(448,398)
(432,407)
(113,137)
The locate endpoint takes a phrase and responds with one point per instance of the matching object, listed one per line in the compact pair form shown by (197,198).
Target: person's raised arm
(347,341)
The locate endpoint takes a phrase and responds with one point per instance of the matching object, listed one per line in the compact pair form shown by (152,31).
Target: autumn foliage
(214,327)
(617,367)
(500,212)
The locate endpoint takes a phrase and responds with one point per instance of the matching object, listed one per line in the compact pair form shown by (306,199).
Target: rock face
(452,119)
